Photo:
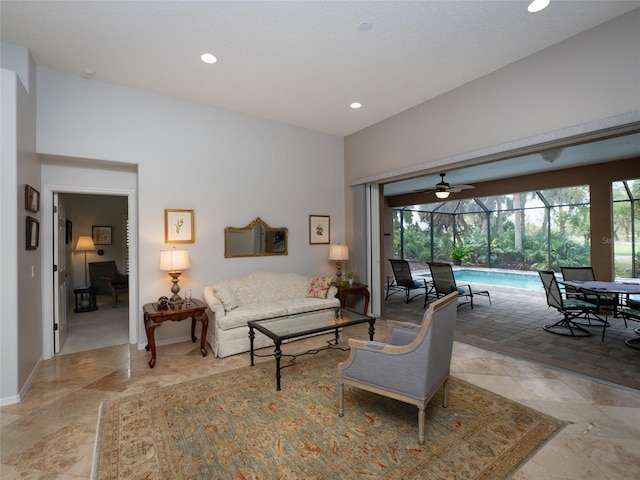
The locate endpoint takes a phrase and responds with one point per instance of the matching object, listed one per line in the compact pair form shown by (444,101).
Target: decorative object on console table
(101,235)
(319,229)
(351,275)
(32,234)
(31,199)
(353,289)
(339,253)
(174,261)
(85,244)
(154,315)
(178,226)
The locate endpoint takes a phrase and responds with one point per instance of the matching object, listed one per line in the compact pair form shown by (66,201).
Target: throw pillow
(227,297)
(319,287)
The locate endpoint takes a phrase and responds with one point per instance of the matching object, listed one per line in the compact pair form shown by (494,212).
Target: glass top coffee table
(299,325)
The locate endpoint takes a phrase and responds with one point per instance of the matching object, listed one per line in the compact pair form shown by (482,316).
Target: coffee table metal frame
(299,325)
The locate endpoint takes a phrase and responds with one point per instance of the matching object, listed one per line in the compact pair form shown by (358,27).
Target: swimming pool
(527,280)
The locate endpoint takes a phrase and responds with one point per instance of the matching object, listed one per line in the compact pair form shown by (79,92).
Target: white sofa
(257,295)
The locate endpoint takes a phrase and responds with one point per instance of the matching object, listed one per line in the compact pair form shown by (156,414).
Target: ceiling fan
(443,189)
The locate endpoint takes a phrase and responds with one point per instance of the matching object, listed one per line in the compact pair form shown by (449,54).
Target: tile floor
(50,434)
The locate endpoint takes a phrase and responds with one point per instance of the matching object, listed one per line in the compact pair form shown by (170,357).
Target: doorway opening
(104,219)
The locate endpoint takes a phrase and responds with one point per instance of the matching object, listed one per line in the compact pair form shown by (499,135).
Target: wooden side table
(153,318)
(353,289)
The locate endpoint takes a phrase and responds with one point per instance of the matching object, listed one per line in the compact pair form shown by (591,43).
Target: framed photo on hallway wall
(178,226)
(33,233)
(31,199)
(101,235)
(319,226)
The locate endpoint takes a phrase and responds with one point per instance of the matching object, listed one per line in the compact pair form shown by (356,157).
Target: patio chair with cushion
(410,366)
(444,283)
(405,283)
(570,308)
(585,274)
(107,280)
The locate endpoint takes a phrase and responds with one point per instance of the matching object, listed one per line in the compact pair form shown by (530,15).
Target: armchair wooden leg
(445,401)
(421,415)
(341,399)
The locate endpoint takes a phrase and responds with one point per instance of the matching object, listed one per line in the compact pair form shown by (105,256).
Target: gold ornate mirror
(255,240)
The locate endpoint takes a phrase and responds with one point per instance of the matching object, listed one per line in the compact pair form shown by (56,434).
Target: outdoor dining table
(607,289)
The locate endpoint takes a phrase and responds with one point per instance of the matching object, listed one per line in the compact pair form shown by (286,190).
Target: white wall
(564,90)
(591,76)
(20,287)
(228,167)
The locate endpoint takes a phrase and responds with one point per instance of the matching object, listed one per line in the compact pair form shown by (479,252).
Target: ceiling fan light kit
(443,189)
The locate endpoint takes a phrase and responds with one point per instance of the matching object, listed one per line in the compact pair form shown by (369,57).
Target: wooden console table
(153,318)
(353,289)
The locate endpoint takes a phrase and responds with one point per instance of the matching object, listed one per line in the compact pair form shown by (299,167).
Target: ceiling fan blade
(459,188)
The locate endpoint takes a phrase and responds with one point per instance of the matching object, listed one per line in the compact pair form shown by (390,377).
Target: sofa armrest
(333,291)
(214,304)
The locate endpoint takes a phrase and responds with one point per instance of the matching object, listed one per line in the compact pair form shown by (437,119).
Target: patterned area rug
(235,425)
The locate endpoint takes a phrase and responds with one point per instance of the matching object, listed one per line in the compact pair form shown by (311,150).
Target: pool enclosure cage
(523,231)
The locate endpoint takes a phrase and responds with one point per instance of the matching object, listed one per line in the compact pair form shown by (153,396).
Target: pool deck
(513,323)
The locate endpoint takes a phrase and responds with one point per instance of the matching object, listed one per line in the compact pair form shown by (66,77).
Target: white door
(61,275)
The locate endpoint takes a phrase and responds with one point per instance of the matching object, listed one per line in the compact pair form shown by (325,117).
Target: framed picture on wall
(101,235)
(178,226)
(319,229)
(31,199)
(33,234)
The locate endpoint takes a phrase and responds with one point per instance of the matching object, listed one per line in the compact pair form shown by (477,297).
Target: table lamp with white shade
(174,261)
(338,253)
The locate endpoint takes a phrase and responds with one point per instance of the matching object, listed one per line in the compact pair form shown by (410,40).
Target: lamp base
(176,302)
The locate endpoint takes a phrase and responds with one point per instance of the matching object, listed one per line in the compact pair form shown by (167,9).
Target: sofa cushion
(301,305)
(239,317)
(226,296)
(319,287)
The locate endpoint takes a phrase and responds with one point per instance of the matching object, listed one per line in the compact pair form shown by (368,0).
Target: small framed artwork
(68,230)
(31,199)
(101,235)
(178,226)
(33,233)
(319,229)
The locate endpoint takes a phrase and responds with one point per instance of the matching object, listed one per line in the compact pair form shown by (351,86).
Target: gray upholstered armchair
(107,280)
(410,366)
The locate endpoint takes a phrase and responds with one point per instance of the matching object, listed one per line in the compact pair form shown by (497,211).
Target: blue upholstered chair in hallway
(410,366)
(107,280)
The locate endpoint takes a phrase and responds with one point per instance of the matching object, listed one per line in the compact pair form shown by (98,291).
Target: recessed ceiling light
(365,26)
(208,58)
(538,5)
(355,105)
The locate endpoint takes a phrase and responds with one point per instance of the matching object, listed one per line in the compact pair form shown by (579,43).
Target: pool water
(503,279)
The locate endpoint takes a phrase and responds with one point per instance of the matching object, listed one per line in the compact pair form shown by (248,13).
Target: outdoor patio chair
(107,280)
(585,274)
(410,366)
(444,283)
(570,308)
(404,282)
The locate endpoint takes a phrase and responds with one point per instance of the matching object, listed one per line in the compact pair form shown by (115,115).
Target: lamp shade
(85,243)
(338,252)
(442,194)
(174,260)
